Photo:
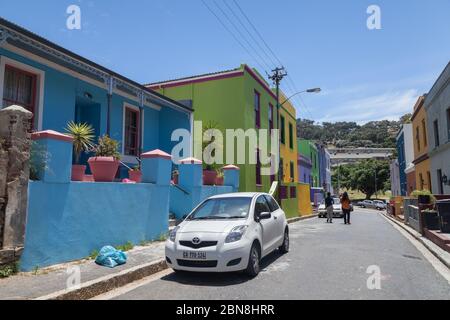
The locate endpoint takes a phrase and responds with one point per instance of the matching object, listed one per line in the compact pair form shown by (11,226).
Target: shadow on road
(218,279)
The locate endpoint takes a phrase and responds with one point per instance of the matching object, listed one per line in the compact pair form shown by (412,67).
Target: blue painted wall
(68,221)
(402,164)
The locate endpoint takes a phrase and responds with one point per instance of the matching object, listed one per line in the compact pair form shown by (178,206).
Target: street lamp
(313,90)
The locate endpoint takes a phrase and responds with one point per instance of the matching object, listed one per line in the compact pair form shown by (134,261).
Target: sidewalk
(50,283)
(438,252)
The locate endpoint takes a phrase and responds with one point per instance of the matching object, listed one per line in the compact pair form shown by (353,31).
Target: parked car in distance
(380,205)
(337,209)
(373,204)
(230,232)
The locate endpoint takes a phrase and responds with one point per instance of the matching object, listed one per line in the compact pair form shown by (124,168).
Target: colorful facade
(405,157)
(324,168)
(234,99)
(288,146)
(309,150)
(421,158)
(59,86)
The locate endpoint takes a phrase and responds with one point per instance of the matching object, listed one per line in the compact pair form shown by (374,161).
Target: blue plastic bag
(111,257)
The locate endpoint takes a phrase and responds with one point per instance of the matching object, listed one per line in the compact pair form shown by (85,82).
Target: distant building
(437,106)
(308,149)
(405,150)
(324,168)
(340,156)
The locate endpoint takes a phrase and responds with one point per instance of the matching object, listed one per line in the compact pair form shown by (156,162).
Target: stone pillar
(55,154)
(15,146)
(231,176)
(156,167)
(190,173)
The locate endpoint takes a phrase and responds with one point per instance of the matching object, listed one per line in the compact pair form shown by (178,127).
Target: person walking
(346,207)
(329,207)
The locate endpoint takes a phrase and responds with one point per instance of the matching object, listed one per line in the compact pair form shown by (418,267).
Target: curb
(297,219)
(105,284)
(419,237)
(108,283)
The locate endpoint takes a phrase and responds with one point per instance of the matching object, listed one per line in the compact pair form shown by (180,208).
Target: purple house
(304,169)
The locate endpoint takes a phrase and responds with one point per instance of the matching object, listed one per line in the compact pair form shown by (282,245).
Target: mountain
(374,134)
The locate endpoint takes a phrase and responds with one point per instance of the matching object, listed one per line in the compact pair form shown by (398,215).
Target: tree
(362,176)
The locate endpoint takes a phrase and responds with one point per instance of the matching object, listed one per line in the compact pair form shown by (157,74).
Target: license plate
(194,255)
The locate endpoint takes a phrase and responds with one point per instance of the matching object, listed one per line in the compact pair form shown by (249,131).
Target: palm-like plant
(83,135)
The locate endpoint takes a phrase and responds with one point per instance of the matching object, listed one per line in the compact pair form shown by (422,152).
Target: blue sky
(365,74)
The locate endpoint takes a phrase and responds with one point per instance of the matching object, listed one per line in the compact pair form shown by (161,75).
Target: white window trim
(126,158)
(40,84)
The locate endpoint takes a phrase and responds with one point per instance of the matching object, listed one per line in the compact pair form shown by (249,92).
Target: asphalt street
(326,261)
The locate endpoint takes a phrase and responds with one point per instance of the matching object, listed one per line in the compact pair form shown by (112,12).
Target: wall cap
(51,134)
(231,167)
(156,154)
(190,160)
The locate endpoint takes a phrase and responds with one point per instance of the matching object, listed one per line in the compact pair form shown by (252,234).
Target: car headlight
(173,234)
(236,234)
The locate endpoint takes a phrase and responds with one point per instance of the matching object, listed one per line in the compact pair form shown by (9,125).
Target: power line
(231,33)
(242,35)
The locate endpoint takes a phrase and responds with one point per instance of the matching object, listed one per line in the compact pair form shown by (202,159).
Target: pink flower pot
(209,177)
(78,172)
(104,169)
(135,176)
(219,181)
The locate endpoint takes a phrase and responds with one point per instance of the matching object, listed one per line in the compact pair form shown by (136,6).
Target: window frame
(257,109)
(282,130)
(291,136)
(271,115)
(424,132)
(128,108)
(437,141)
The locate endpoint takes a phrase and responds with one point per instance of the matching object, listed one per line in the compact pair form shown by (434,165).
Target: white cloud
(386,106)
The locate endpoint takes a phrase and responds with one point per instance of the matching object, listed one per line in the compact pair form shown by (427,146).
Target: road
(326,261)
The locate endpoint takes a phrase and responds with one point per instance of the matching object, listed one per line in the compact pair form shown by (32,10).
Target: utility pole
(277,75)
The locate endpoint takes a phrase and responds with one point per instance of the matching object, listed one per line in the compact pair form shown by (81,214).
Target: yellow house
(288,143)
(421,158)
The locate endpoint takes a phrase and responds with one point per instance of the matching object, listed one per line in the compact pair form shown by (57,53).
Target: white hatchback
(230,232)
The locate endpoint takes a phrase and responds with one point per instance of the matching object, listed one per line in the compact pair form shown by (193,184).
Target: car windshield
(222,208)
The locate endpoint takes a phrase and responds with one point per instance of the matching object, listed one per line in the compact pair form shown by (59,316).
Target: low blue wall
(182,202)
(67,221)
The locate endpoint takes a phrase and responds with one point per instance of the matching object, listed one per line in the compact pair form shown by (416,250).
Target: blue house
(59,86)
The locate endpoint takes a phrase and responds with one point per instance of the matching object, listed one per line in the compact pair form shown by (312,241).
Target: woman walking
(346,207)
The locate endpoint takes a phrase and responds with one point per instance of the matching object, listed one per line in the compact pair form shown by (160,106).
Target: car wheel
(254,261)
(285,246)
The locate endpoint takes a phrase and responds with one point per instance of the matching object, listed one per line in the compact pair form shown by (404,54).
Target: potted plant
(219,178)
(424,196)
(135,174)
(210,145)
(431,219)
(82,134)
(175,175)
(106,161)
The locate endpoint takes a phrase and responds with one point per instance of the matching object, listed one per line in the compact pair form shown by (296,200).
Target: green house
(234,99)
(308,149)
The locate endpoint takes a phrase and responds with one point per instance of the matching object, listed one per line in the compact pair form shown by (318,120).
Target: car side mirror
(264,215)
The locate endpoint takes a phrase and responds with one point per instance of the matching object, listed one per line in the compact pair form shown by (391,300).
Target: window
(293,192)
(291,136)
(131,143)
(292,171)
(440,182)
(257,110)
(273,205)
(436,133)
(418,138)
(424,132)
(258,169)
(270,116)
(430,187)
(421,181)
(281,168)
(19,88)
(283,131)
(448,124)
(261,206)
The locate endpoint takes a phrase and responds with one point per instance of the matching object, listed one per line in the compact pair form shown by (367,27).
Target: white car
(337,209)
(230,232)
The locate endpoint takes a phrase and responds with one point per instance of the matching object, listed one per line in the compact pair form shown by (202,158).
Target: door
(279,220)
(268,226)
(87,111)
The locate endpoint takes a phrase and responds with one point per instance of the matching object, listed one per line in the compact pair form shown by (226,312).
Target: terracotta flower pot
(78,172)
(219,181)
(104,169)
(209,177)
(135,176)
